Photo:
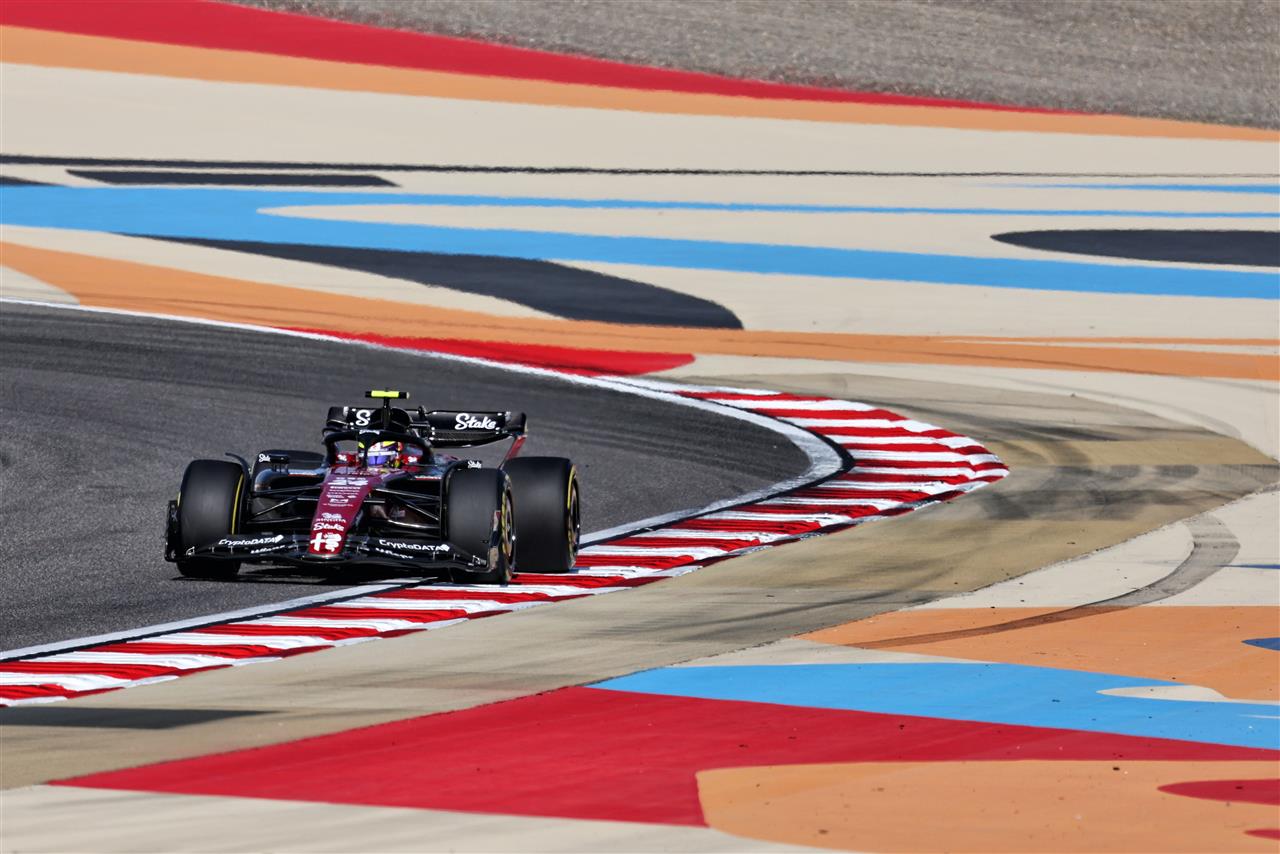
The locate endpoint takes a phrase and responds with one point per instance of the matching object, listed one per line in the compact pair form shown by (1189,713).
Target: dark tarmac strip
(99,414)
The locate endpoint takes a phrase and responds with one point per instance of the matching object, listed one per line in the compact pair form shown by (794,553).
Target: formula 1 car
(380,494)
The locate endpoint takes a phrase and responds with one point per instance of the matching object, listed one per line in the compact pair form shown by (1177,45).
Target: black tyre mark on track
(33,160)
(1213,547)
(241,179)
(542,285)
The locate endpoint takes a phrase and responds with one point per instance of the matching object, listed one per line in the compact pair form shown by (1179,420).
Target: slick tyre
(478,508)
(209,509)
(547,513)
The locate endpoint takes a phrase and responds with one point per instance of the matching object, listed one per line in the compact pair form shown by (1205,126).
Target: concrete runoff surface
(101,414)
(1209,61)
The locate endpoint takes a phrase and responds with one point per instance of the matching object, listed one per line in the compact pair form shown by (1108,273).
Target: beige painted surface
(785,303)
(132,115)
(63,818)
(15,284)
(1145,559)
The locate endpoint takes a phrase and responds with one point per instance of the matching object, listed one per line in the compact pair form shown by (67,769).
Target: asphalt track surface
(100,413)
(1205,60)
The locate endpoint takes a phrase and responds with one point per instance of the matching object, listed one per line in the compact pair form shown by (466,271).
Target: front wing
(363,549)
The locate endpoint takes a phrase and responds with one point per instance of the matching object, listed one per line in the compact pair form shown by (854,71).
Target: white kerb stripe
(471,606)
(878,503)
(388,625)
(189,661)
(69,681)
(812,405)
(819,518)
(641,551)
(269,641)
(686,534)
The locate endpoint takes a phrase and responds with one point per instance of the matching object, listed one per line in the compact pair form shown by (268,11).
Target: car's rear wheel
(478,508)
(548,513)
(208,509)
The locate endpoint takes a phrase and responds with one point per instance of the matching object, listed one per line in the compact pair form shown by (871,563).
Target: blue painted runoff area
(457,200)
(993,693)
(222,214)
(1265,643)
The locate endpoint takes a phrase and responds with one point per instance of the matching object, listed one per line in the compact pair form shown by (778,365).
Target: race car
(382,494)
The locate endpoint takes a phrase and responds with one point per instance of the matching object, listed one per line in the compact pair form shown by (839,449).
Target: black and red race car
(382,494)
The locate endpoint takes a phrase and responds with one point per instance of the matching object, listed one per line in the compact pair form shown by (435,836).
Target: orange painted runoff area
(25,46)
(1193,645)
(989,807)
(162,290)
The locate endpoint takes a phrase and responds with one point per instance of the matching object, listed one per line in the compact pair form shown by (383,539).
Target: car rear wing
(441,428)
(454,429)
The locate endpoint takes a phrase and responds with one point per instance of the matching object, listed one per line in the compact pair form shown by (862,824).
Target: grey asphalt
(1206,60)
(99,414)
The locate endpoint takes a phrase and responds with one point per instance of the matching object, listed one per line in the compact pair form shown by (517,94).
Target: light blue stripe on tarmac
(222,214)
(1264,189)
(992,693)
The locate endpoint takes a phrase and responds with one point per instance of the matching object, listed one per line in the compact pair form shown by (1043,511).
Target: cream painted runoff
(66,818)
(138,116)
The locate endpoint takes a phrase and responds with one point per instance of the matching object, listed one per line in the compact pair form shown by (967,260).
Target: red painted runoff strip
(324,632)
(612,755)
(238,650)
(230,27)
(1264,791)
(568,360)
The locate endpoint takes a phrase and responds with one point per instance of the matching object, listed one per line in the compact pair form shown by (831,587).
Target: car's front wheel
(209,505)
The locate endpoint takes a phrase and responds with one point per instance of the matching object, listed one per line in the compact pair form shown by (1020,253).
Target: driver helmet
(384,454)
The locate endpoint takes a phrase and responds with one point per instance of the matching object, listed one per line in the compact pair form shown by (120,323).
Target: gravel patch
(1207,60)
